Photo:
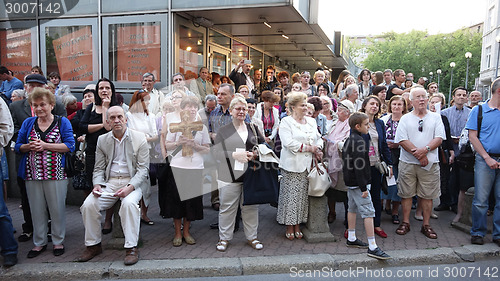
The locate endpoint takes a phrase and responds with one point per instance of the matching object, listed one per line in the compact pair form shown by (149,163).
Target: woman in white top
(301,142)
(269,115)
(138,119)
(184,198)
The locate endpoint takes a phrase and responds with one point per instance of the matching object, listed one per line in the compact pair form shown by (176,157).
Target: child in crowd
(357,177)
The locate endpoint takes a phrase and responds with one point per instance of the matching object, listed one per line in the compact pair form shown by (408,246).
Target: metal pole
(451,83)
(438,81)
(467,74)
(498,57)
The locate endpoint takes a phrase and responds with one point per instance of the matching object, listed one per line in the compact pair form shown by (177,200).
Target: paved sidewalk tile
(157,239)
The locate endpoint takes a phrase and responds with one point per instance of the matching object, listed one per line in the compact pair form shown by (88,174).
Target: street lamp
(498,55)
(452,65)
(430,76)
(439,73)
(468,55)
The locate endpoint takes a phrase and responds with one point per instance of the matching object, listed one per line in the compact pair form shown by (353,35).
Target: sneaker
(378,254)
(357,243)
(476,239)
(497,241)
(24,237)
(10,260)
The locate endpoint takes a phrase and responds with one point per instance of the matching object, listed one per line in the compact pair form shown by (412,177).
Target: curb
(184,268)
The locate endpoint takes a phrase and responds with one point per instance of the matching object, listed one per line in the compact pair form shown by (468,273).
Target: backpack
(466,159)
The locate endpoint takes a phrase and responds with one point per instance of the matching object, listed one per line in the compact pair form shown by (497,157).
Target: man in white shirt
(419,134)
(121,172)
(156,97)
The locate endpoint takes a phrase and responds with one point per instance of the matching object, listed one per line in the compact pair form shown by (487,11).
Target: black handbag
(260,183)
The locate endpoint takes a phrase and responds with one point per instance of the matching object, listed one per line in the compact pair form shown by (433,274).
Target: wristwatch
(428,148)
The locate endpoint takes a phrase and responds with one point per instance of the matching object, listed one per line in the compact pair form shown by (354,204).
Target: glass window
(68,51)
(239,52)
(268,60)
(257,59)
(220,39)
(134,49)
(16,50)
(179,4)
(133,6)
(191,51)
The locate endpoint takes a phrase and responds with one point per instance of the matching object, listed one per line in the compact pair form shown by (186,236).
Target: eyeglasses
(175,98)
(240,109)
(420,125)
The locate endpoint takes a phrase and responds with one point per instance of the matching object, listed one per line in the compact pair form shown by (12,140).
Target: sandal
(189,240)
(177,241)
(403,228)
(289,236)
(428,232)
(256,244)
(222,245)
(299,235)
(395,219)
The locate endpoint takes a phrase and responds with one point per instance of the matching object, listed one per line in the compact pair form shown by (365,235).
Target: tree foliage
(420,53)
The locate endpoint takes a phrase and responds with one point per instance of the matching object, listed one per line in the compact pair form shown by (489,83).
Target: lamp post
(468,55)
(439,73)
(452,65)
(498,56)
(430,76)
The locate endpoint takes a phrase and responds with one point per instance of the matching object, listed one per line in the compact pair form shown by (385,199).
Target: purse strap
(228,161)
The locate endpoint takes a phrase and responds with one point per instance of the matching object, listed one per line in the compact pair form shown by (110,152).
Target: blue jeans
(8,243)
(486,180)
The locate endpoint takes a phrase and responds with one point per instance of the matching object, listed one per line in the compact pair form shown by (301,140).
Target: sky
(373,17)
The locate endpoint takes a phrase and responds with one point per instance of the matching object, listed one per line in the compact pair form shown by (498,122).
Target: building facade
(490,53)
(88,39)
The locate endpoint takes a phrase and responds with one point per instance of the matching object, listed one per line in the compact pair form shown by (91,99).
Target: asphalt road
(476,271)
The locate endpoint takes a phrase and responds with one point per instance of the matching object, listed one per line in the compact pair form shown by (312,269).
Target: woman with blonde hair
(301,142)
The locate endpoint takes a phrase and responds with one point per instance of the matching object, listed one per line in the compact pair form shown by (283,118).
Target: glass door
(219,58)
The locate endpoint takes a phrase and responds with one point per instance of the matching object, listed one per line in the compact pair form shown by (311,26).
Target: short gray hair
(20,93)
(350,89)
(67,99)
(231,87)
(210,97)
(495,85)
(415,89)
(147,74)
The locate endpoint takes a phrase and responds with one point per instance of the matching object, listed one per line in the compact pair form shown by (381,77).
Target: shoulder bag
(319,180)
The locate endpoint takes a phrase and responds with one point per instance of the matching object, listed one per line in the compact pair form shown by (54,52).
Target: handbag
(260,181)
(79,180)
(319,180)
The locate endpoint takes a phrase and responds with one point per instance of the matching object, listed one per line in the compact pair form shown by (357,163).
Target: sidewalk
(158,255)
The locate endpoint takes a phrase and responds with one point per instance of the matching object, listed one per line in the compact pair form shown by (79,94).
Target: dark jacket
(383,149)
(447,145)
(238,78)
(228,138)
(356,162)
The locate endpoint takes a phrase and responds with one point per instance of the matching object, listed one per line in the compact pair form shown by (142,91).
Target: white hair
(415,89)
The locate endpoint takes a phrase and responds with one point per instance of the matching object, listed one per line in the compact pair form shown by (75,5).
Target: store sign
(15,53)
(74,55)
(138,50)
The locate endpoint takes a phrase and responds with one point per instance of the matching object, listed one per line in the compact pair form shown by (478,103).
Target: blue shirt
(219,118)
(458,119)
(9,86)
(490,127)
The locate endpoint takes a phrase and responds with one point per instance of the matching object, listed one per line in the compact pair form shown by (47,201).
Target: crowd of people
(392,145)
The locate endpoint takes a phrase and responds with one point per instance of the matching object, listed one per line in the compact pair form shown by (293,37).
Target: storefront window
(239,52)
(15,51)
(191,51)
(69,52)
(134,49)
(257,59)
(219,39)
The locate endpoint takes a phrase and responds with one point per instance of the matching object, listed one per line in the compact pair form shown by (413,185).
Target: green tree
(420,53)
